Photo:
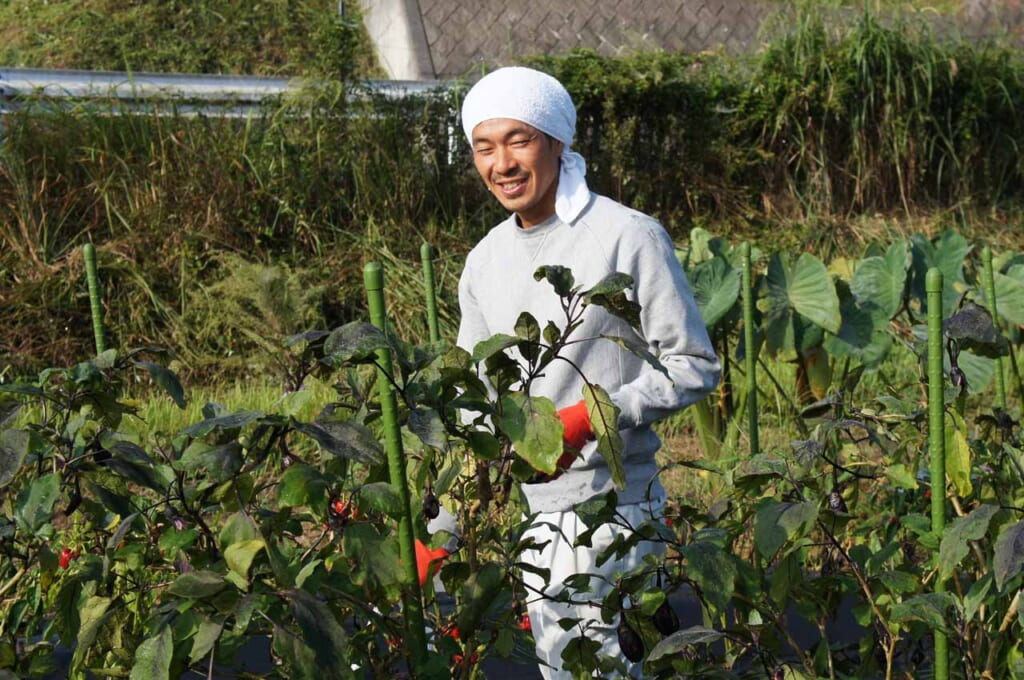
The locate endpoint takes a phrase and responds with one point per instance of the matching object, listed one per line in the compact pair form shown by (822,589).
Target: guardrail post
(412,596)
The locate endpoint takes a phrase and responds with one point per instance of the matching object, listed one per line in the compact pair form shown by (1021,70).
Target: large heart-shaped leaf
(948,254)
(880,281)
(862,335)
(1010,294)
(796,292)
(716,288)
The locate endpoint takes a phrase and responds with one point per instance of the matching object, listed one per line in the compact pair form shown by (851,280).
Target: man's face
(519,164)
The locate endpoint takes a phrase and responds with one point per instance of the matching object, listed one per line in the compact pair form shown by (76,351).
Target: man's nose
(505,160)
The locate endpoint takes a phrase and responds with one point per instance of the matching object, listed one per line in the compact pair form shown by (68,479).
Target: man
(520,124)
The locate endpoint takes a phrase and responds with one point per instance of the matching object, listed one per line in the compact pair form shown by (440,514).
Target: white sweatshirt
(497,284)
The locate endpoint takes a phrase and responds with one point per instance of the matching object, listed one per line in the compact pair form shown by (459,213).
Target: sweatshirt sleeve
(672,327)
(472,326)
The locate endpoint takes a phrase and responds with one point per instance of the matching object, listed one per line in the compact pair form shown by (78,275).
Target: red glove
(576,423)
(428,562)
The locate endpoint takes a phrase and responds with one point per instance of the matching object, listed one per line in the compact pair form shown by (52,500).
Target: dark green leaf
(322,633)
(1009,554)
(345,439)
(153,657)
(427,425)
(485,349)
(928,608)
(713,570)
(534,428)
(302,485)
(776,523)
(165,378)
(36,501)
(974,331)
(479,595)
(528,330)
(221,462)
(960,530)
(355,342)
(382,497)
(230,421)
(560,278)
(681,639)
(484,444)
(375,557)
(204,639)
(13,449)
(197,584)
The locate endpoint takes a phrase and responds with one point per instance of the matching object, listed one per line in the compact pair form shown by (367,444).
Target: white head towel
(539,100)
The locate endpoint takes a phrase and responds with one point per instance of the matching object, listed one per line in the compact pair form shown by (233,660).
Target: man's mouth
(511,187)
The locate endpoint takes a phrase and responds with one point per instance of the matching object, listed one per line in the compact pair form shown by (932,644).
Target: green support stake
(427,256)
(990,297)
(95,303)
(937,440)
(412,596)
(751,354)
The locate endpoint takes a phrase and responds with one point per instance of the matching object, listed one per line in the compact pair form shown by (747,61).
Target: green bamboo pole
(95,303)
(751,355)
(990,296)
(412,596)
(937,441)
(427,256)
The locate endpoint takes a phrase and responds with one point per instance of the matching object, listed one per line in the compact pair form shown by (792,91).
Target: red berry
(524,623)
(451,630)
(928,494)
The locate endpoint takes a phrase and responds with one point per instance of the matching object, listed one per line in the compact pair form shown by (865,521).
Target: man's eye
(483,150)
(520,143)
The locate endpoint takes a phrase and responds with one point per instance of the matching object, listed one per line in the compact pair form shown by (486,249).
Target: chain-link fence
(467,36)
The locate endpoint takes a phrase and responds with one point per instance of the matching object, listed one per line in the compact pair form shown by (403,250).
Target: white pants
(564,560)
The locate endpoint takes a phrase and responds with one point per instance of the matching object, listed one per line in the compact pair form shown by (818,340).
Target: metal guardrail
(195,93)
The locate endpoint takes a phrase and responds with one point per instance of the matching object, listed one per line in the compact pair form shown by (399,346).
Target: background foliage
(795,144)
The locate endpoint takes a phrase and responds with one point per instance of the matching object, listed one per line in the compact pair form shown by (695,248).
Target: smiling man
(521,123)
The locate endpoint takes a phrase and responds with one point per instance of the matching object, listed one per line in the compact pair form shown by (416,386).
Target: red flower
(524,623)
(428,561)
(66,555)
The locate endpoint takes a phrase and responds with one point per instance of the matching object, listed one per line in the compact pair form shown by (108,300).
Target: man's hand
(577,432)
